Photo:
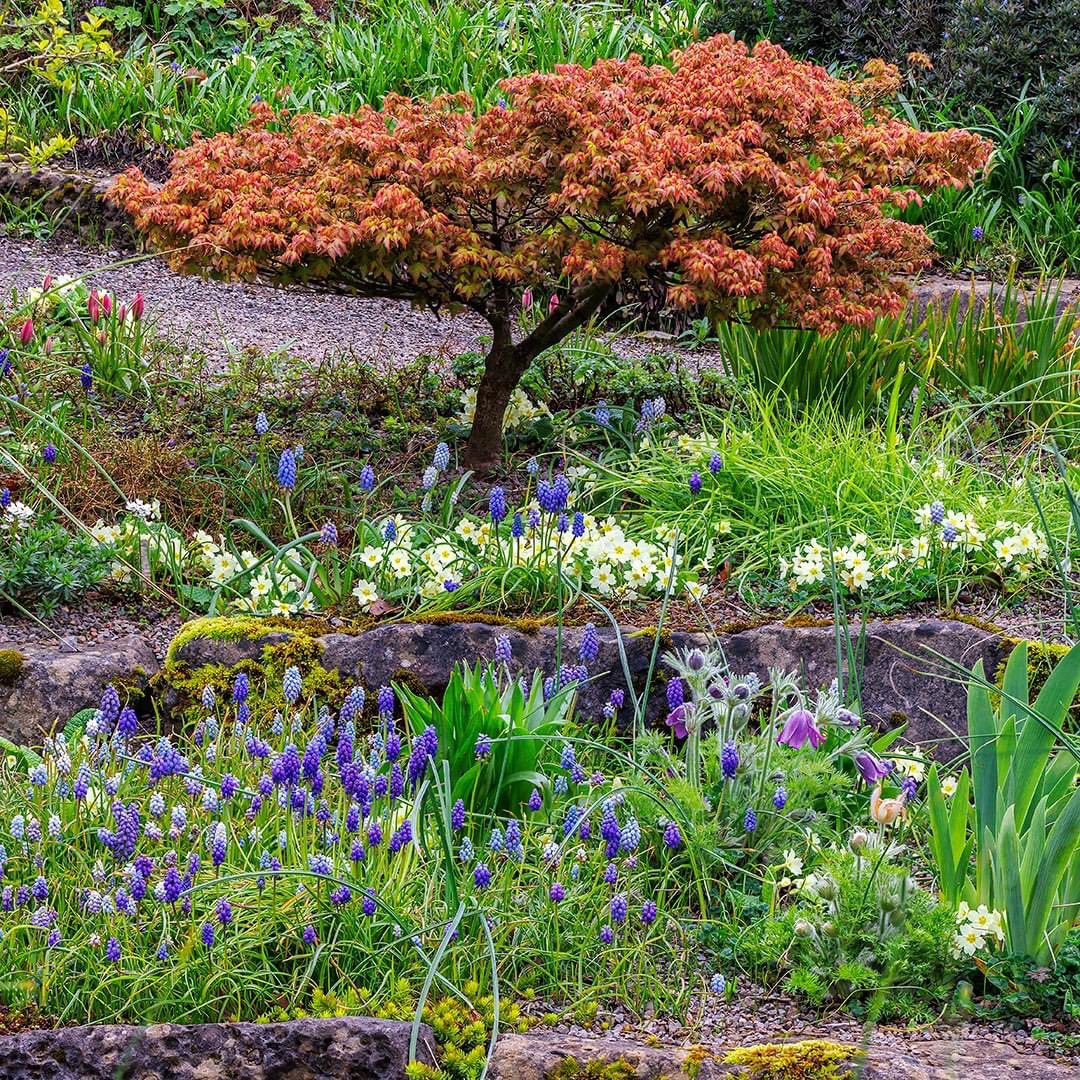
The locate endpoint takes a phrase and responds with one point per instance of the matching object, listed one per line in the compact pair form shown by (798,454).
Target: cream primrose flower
(948,786)
(366,594)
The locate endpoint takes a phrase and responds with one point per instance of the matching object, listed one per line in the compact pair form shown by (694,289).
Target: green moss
(1043,657)
(571,1069)
(811,1059)
(11,664)
(448,618)
(251,628)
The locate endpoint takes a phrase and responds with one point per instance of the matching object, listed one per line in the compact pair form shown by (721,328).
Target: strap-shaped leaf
(1056,860)
(982,731)
(1041,730)
(1005,854)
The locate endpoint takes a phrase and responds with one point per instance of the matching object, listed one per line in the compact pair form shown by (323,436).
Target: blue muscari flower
(630,835)
(780,797)
(427,481)
(390,529)
(496,840)
(695,483)
(618,908)
(5,497)
(6,365)
(937,512)
(386,701)
(328,535)
(112,951)
(561,786)
(483,745)
(716,463)
(497,504)
(536,800)
(672,836)
(563,523)
(750,820)
(601,414)
(589,648)
(532,466)
(38,775)
(503,651)
(729,761)
(948,534)
(262,425)
(977,232)
(286,474)
(241,689)
(517,526)
(578,527)
(48,454)
(441,460)
(457,815)
(291,684)
(465,852)
(207,934)
(482,876)
(367,478)
(717,983)
(675,693)
(450,585)
(86,377)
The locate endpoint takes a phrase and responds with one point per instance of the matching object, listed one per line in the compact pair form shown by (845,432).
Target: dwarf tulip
(93,306)
(527,299)
(47,283)
(50,341)
(106,303)
(885,811)
(553,303)
(800,729)
(121,312)
(138,306)
(26,334)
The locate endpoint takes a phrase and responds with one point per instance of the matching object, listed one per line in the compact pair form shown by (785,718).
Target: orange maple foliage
(734,175)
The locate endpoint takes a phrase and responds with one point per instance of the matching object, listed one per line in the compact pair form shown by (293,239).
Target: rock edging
(341,1048)
(904,679)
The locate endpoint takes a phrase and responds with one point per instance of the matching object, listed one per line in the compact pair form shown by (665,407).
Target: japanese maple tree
(734,176)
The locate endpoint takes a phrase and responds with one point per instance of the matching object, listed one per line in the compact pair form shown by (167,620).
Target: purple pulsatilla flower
(367,478)
(497,504)
(799,729)
(729,761)
(676,720)
(589,648)
(286,472)
(750,820)
(871,768)
(695,483)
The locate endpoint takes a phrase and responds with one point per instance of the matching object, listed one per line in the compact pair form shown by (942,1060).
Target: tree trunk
(506,362)
(502,372)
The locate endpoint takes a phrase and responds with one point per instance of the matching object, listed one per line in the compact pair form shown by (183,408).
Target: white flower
(948,787)
(366,593)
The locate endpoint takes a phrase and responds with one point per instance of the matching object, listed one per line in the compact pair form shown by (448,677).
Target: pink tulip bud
(138,305)
(102,337)
(106,303)
(50,341)
(47,284)
(527,299)
(93,306)
(121,312)
(26,334)
(553,303)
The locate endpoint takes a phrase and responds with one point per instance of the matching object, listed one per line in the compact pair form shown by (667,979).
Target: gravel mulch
(95,620)
(755,1016)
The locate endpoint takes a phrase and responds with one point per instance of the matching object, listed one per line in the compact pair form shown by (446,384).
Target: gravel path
(220,318)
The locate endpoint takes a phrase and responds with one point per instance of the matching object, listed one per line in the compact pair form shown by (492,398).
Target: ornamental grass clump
(733,176)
